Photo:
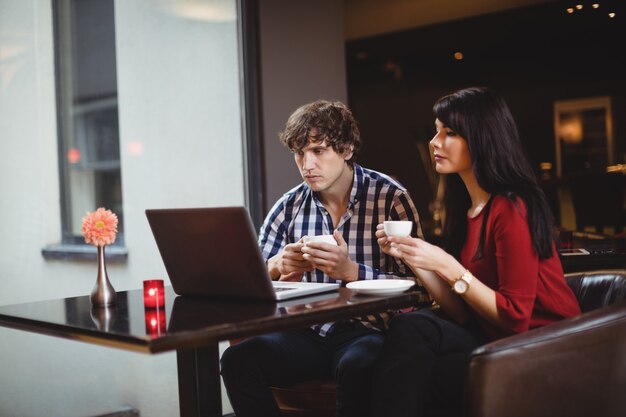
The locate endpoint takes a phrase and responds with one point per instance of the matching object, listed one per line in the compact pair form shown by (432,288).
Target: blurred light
(215,11)
(571,130)
(458,56)
(135,147)
(570,10)
(595,5)
(579,7)
(546,170)
(11,51)
(611,15)
(73,156)
(12,59)
(621,168)
(395,69)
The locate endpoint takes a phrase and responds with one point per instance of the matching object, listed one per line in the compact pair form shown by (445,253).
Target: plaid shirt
(374,198)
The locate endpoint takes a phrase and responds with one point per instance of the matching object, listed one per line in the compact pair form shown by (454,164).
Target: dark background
(533,56)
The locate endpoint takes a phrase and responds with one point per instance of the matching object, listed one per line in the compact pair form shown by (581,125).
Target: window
(583,135)
(89,143)
(152,89)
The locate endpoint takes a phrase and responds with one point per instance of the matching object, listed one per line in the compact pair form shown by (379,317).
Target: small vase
(103,293)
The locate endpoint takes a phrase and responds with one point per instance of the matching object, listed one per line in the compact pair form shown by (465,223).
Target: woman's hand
(419,254)
(414,252)
(427,261)
(437,270)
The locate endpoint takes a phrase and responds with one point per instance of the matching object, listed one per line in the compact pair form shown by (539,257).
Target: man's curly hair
(333,122)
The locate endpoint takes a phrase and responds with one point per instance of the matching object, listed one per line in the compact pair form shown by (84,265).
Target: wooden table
(191,326)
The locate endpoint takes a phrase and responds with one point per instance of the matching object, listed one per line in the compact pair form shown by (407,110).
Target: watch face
(460,286)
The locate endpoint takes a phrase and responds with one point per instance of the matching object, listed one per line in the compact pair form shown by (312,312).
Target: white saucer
(381,286)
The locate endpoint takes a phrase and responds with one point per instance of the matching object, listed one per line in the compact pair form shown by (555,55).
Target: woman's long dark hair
(482,117)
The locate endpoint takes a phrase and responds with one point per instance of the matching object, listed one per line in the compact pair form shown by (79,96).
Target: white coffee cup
(320,238)
(400,228)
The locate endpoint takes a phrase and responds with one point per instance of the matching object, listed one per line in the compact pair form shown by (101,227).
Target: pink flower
(100,227)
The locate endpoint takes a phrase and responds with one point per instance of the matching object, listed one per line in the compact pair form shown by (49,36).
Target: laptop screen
(211,252)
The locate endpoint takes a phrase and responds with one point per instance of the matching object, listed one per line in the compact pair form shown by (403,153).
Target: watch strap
(467,277)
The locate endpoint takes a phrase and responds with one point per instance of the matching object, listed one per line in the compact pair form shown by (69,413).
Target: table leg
(199,390)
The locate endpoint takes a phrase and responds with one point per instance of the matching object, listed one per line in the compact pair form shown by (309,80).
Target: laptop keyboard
(277,289)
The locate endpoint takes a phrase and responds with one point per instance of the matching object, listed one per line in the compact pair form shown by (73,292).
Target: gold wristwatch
(462,284)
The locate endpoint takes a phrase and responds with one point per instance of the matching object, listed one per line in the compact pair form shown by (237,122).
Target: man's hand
(293,277)
(383,241)
(333,260)
(289,264)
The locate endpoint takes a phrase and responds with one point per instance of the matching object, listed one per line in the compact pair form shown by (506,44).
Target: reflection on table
(600,252)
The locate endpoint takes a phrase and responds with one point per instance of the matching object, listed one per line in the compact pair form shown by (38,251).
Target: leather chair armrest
(575,367)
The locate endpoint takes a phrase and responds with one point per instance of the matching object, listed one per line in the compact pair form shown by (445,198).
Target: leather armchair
(575,367)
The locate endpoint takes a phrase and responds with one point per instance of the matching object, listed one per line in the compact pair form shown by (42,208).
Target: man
(337,197)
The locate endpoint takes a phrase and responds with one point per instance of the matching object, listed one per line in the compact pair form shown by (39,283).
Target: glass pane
(584,136)
(88,122)
(583,141)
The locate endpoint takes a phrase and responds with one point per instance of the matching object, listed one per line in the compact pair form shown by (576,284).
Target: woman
(501,261)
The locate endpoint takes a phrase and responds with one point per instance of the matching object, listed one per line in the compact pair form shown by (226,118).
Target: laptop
(214,252)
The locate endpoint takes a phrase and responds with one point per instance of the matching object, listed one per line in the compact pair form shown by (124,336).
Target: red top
(529,293)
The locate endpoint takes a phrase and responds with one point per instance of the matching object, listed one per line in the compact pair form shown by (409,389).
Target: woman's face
(450,151)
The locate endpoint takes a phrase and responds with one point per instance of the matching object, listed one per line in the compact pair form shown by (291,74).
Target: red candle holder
(153,293)
(155,321)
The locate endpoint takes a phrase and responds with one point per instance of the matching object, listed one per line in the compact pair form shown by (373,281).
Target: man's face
(321,166)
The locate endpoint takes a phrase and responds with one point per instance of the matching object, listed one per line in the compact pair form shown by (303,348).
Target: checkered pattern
(374,198)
